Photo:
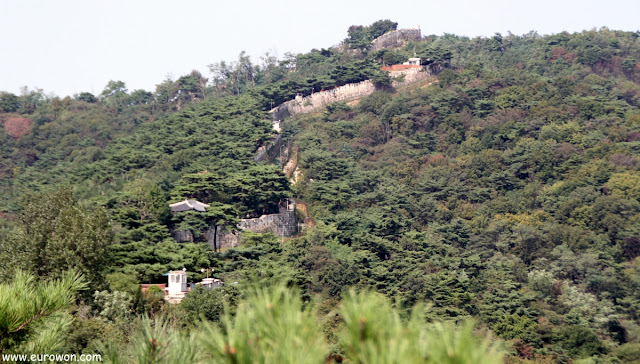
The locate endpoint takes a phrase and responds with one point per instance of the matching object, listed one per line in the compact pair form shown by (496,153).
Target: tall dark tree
(8,102)
(56,233)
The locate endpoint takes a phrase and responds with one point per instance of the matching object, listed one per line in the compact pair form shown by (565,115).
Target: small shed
(177,288)
(415,61)
(211,283)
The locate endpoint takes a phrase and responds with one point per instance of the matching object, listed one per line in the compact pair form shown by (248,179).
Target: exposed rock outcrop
(396,38)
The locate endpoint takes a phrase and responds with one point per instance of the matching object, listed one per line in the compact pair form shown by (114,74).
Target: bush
(210,305)
(580,342)
(629,353)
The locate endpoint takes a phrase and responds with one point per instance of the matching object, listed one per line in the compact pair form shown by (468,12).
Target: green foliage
(279,328)
(375,333)
(381,80)
(273,325)
(147,260)
(86,97)
(387,56)
(55,234)
(435,52)
(122,282)
(629,353)
(361,36)
(580,342)
(494,195)
(8,102)
(113,305)
(142,201)
(156,342)
(258,188)
(626,185)
(517,327)
(210,305)
(33,312)
(85,335)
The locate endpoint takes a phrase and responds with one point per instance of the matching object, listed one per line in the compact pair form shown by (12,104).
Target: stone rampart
(301,105)
(281,224)
(395,38)
(349,92)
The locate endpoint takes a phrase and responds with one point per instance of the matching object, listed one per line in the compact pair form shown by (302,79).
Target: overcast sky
(71,46)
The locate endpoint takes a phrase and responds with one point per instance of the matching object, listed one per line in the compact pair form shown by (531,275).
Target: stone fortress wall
(281,224)
(349,92)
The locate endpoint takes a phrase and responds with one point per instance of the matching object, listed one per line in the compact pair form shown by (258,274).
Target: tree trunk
(215,237)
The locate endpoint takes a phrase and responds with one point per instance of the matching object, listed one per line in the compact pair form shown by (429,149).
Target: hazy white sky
(71,46)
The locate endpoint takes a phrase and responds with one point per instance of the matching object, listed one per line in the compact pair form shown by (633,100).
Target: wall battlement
(349,92)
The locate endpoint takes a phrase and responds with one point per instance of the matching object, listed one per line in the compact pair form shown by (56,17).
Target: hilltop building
(415,61)
(211,283)
(145,287)
(182,206)
(282,224)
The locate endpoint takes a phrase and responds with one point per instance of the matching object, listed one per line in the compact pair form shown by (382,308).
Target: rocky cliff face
(270,150)
(395,38)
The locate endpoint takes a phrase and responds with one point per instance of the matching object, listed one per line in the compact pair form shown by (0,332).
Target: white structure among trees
(177,287)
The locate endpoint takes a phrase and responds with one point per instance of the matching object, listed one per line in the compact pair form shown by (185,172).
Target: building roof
(210,280)
(187,205)
(162,286)
(399,67)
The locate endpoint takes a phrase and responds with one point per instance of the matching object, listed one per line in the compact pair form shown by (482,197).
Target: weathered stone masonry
(281,224)
(349,92)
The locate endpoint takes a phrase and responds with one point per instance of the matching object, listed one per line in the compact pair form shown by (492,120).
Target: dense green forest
(491,214)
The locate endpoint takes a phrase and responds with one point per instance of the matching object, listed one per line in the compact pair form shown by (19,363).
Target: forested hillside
(498,200)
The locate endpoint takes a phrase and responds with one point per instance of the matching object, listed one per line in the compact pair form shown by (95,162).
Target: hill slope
(507,191)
